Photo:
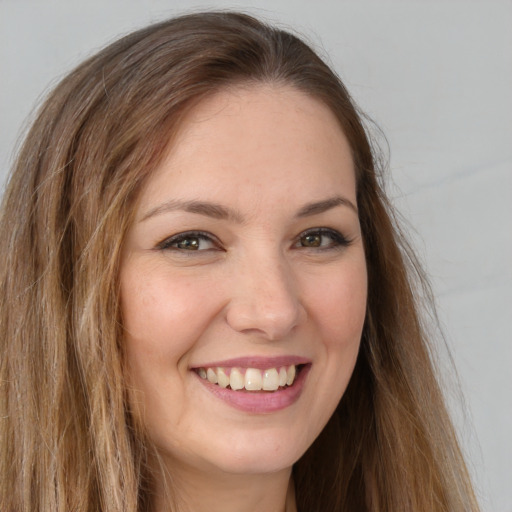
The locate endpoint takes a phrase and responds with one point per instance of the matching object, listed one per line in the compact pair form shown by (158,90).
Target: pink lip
(259,402)
(261,363)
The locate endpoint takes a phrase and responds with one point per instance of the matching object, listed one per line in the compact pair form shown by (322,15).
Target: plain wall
(437,78)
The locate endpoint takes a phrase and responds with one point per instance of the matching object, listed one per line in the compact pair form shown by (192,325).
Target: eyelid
(339,238)
(168,242)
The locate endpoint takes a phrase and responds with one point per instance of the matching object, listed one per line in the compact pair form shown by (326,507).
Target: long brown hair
(67,438)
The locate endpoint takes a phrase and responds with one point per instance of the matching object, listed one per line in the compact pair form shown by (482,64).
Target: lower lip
(260,402)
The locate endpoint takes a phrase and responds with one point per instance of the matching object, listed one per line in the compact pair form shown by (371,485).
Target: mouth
(251,379)
(255,385)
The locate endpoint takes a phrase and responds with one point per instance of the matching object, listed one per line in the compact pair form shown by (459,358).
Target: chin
(252,464)
(260,453)
(242,452)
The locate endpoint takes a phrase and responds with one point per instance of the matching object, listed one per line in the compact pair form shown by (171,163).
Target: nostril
(270,321)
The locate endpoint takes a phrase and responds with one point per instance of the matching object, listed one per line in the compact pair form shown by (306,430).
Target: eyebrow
(207,208)
(218,211)
(323,206)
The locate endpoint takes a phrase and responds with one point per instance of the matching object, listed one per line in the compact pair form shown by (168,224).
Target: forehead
(250,140)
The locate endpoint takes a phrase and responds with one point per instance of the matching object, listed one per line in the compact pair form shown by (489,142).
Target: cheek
(339,306)
(163,317)
(160,312)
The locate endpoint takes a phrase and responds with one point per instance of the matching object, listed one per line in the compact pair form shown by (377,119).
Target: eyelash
(338,240)
(171,242)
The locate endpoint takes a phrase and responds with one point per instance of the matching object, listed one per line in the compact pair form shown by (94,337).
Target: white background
(437,78)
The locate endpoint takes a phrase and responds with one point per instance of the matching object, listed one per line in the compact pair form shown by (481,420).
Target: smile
(250,379)
(254,384)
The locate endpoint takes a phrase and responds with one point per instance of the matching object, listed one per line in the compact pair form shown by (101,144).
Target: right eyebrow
(209,209)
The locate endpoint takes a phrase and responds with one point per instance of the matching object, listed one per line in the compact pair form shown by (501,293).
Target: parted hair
(68,441)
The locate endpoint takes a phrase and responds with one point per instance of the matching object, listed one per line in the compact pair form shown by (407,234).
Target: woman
(206,303)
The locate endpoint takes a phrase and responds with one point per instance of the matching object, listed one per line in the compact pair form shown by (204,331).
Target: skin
(254,287)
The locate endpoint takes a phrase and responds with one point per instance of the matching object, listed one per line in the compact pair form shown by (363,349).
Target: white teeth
(251,379)
(211,376)
(223,379)
(283,377)
(236,379)
(270,379)
(291,375)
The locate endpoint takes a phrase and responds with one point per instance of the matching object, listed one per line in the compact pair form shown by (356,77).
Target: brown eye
(322,239)
(189,244)
(313,240)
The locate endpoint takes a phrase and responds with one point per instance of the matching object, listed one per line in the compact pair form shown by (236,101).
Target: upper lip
(261,363)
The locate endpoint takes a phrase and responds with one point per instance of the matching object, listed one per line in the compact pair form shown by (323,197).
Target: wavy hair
(68,441)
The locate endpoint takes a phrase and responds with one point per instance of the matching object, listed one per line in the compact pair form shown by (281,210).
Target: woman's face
(243,283)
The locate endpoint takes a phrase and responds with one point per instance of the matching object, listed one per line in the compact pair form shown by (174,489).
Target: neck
(192,491)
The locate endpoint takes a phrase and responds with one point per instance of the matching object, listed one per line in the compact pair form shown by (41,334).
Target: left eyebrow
(327,204)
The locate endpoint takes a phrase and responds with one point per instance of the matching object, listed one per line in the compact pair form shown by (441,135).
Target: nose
(264,299)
